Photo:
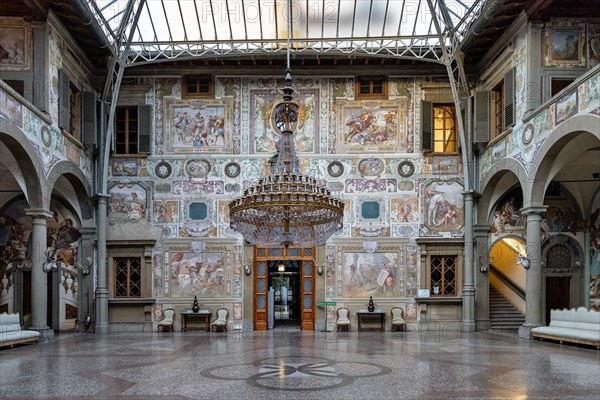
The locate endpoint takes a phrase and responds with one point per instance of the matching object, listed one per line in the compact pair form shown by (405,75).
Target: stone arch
(576,252)
(77,179)
(498,172)
(578,134)
(27,159)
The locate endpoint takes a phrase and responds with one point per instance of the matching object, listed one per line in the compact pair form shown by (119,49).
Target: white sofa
(11,333)
(576,326)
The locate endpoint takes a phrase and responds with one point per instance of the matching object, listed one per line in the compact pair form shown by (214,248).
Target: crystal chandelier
(286,208)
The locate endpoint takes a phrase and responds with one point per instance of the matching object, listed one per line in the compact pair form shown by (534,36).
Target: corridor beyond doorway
(284,280)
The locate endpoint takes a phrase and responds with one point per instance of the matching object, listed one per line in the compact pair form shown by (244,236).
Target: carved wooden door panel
(261,288)
(262,258)
(307,305)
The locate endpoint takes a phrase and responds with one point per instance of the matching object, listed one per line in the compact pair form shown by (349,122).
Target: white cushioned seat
(221,321)
(11,333)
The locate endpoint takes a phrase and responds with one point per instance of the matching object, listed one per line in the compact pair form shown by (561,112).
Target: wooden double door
(558,294)
(304,260)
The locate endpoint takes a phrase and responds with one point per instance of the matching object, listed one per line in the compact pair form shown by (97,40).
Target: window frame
(197,93)
(371,95)
(497,110)
(74,111)
(455,134)
(550,74)
(444,283)
(127,143)
(117,284)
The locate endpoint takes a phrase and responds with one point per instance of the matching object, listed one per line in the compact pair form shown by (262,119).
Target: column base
(483,325)
(46,334)
(102,328)
(468,326)
(525,330)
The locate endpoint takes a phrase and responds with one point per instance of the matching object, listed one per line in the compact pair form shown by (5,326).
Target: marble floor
(290,364)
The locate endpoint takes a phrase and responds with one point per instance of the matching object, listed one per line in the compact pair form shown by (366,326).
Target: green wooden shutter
(144,128)
(426,126)
(482,117)
(88,117)
(64,104)
(509,98)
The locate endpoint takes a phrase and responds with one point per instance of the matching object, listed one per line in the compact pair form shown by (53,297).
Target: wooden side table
(365,315)
(201,316)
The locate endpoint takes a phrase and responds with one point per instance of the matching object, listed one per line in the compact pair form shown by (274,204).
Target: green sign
(326,303)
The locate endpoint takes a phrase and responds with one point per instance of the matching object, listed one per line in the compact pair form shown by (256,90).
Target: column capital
(87,230)
(471,194)
(481,230)
(539,210)
(39,213)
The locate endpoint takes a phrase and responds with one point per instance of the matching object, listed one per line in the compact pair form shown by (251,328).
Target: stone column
(482,279)
(468,291)
(39,279)
(101,316)
(587,267)
(87,271)
(533,278)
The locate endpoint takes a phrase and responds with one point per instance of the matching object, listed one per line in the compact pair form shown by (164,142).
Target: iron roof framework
(150,31)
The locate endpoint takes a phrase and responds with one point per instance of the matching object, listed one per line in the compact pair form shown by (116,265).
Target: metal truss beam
(394,28)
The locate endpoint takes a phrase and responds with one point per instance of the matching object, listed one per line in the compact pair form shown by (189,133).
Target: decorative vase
(195,307)
(371,307)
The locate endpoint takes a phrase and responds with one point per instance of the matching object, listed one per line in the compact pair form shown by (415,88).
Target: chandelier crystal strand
(286,208)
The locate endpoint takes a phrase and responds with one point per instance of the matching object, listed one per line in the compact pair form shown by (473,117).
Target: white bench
(11,333)
(576,326)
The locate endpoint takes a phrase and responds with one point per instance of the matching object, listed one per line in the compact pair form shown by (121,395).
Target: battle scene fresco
(127,203)
(198,126)
(202,275)
(373,125)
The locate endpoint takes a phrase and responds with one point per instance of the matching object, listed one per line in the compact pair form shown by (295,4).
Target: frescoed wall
(386,196)
(63,241)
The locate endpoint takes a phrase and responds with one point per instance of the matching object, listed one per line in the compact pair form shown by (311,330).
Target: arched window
(558,256)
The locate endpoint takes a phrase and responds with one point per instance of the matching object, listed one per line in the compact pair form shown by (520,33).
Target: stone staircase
(503,315)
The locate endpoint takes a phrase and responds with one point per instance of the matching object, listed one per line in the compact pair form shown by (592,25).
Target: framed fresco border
(564,45)
(132,211)
(309,110)
(203,129)
(12,31)
(227,247)
(358,121)
(566,106)
(434,201)
(347,248)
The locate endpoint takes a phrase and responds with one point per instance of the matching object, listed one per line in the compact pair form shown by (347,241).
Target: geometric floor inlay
(297,373)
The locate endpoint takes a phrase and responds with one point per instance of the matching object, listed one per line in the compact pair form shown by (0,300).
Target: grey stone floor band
(290,364)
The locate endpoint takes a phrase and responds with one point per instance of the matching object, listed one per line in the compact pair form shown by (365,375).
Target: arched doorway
(562,273)
(283,270)
(507,283)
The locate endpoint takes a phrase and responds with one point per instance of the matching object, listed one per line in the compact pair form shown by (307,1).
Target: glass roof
(158,30)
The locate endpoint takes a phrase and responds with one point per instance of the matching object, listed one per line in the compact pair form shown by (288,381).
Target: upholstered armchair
(221,321)
(398,318)
(167,321)
(343,318)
